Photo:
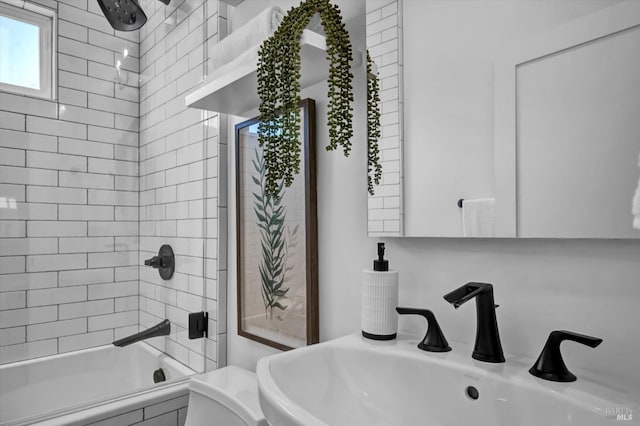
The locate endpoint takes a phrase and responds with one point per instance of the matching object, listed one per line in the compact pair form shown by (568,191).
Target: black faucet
(161,329)
(550,365)
(434,340)
(488,347)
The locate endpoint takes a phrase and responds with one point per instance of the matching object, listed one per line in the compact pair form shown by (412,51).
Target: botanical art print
(276,242)
(277,238)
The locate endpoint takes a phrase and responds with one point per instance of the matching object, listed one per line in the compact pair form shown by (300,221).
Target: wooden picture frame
(277,248)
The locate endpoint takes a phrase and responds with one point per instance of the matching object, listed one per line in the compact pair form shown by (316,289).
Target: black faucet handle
(561,335)
(155,262)
(434,340)
(550,365)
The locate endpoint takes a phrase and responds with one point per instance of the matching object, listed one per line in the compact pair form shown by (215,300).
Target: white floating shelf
(234,89)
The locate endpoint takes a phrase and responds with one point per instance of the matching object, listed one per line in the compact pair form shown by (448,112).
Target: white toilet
(228,396)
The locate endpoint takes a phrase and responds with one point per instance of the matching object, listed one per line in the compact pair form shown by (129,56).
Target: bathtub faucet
(161,329)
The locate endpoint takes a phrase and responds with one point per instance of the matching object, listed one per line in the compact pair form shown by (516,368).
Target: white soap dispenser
(379,300)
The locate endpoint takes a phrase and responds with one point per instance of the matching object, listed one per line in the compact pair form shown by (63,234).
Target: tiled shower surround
(91,184)
(178,176)
(69,196)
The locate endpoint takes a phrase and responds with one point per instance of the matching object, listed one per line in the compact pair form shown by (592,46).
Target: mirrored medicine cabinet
(530,107)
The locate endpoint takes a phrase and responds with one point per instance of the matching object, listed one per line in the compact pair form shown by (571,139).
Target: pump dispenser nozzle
(381,264)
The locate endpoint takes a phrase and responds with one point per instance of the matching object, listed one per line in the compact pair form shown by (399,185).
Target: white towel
(635,206)
(258,29)
(248,57)
(478,217)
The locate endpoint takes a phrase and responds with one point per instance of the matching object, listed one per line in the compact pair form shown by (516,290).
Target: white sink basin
(355,381)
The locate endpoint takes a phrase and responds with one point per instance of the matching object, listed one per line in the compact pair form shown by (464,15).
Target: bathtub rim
(149,347)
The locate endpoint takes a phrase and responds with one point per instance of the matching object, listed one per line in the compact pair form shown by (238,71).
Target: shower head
(123,15)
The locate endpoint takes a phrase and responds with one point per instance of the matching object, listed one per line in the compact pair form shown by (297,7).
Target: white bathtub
(90,380)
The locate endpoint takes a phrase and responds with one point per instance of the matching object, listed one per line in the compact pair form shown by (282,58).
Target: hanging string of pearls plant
(374,168)
(279,67)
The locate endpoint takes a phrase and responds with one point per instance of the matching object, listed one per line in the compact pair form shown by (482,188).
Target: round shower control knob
(164,262)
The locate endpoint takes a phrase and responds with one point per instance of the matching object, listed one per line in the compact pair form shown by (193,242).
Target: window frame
(46,20)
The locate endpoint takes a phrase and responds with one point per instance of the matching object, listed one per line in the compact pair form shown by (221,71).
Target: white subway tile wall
(177,146)
(384,41)
(68,175)
(95,182)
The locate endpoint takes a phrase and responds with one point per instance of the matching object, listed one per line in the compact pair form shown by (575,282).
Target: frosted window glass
(19,53)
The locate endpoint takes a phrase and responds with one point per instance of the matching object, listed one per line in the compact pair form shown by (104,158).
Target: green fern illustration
(271,214)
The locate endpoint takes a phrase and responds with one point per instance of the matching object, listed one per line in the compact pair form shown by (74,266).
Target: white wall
(587,286)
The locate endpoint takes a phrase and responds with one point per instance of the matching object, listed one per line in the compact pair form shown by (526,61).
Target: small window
(27,49)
